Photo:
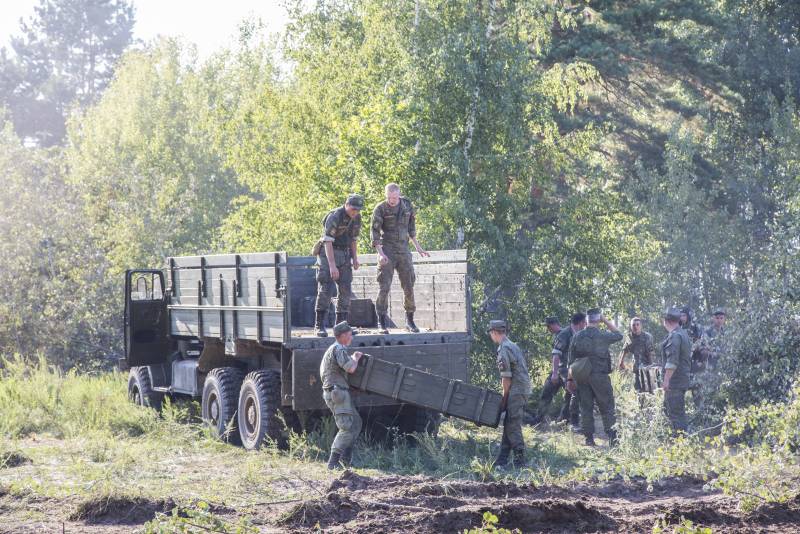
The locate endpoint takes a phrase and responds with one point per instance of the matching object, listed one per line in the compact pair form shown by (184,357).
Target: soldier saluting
(337,257)
(393,225)
(595,387)
(516,384)
(335,366)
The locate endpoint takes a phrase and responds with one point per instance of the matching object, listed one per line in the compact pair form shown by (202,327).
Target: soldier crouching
(336,365)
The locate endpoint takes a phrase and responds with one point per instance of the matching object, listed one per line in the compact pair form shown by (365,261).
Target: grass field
(75,454)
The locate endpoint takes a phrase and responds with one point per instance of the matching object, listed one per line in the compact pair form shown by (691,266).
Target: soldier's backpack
(582,347)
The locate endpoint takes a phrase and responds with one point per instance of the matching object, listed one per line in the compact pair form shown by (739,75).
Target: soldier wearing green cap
(516,384)
(337,257)
(595,387)
(335,366)
(710,344)
(393,225)
(677,353)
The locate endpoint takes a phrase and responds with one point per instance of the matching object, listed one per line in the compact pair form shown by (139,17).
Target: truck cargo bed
(427,390)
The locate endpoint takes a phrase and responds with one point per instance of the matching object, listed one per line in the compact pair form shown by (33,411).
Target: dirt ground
(354,503)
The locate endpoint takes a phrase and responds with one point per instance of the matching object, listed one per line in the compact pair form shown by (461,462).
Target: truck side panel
(449,360)
(229,296)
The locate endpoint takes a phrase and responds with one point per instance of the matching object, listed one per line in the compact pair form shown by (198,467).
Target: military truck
(236,332)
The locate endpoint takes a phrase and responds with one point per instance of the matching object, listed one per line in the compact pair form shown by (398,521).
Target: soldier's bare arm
(412,233)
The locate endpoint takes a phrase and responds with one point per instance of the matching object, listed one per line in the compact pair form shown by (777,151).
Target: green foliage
(144,163)
(57,296)
(489,526)
(65,56)
(195,519)
(684,526)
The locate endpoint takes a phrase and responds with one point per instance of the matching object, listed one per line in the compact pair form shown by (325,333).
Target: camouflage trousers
(598,391)
(401,261)
(348,422)
(512,426)
(325,283)
(569,409)
(675,407)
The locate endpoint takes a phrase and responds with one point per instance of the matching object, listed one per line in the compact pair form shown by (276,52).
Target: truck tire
(220,401)
(140,390)
(259,406)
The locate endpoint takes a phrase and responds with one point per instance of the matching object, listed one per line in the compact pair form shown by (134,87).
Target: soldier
(593,343)
(337,257)
(516,389)
(677,350)
(558,376)
(687,323)
(710,344)
(639,344)
(336,365)
(393,225)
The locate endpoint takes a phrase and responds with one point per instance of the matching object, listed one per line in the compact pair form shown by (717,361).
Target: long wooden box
(413,386)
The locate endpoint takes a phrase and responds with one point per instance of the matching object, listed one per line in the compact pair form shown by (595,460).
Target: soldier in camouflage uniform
(558,377)
(337,257)
(516,384)
(677,352)
(639,344)
(393,225)
(711,342)
(705,353)
(594,343)
(335,366)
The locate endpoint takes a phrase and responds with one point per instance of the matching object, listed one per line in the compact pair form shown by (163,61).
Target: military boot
(519,458)
(502,458)
(410,322)
(319,324)
(334,462)
(347,457)
(612,438)
(382,322)
(590,440)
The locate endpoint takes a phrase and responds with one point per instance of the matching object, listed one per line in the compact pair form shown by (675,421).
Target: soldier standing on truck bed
(337,257)
(393,225)
(516,384)
(336,365)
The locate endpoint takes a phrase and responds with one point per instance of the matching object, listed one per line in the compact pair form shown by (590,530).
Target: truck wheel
(259,404)
(219,402)
(140,391)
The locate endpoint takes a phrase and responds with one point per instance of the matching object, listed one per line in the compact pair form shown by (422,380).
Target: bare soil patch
(394,504)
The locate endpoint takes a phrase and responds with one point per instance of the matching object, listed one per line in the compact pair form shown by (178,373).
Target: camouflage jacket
(511,364)
(641,347)
(339,228)
(594,343)
(393,226)
(677,353)
(336,362)
(561,342)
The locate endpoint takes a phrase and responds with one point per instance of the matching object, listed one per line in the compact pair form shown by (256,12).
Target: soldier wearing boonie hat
(337,258)
(516,383)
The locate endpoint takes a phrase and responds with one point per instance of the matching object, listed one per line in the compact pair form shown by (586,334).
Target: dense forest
(628,154)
